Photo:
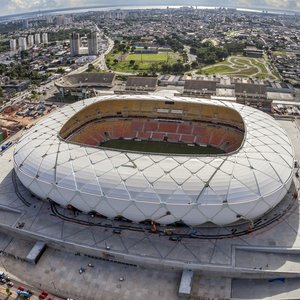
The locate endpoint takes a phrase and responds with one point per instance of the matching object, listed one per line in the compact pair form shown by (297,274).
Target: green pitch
(160,147)
(159,57)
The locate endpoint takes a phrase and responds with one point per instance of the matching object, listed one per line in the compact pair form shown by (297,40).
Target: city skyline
(22,6)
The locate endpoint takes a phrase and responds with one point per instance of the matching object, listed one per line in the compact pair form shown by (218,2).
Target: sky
(20,6)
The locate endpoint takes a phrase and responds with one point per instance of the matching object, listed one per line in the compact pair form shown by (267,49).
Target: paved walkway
(58,272)
(263,289)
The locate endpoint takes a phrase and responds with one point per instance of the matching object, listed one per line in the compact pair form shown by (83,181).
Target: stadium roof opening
(157,126)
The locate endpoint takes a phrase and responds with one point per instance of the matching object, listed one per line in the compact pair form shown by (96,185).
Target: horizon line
(134,5)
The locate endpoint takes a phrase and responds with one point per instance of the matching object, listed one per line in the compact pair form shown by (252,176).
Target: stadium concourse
(61,160)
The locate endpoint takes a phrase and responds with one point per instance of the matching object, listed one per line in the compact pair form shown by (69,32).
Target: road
(190,56)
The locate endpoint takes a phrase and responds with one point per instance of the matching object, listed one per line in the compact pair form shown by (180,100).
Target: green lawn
(217,69)
(160,147)
(282,52)
(238,66)
(261,65)
(143,62)
(124,66)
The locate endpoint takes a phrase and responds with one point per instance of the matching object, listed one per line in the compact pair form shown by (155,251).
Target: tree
(178,68)
(24,54)
(91,68)
(154,68)
(61,71)
(194,65)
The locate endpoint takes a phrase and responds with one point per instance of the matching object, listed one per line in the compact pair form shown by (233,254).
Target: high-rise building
(45,38)
(37,38)
(68,20)
(13,45)
(22,43)
(74,43)
(63,20)
(30,40)
(49,19)
(25,24)
(93,43)
(60,20)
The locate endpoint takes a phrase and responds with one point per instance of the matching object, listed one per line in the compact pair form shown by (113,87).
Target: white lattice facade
(164,188)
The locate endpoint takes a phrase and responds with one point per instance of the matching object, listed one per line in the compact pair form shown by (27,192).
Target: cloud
(17,6)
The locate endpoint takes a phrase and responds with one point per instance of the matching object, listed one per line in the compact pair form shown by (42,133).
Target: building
(63,20)
(81,84)
(253,52)
(13,45)
(141,84)
(60,20)
(93,43)
(204,88)
(252,93)
(16,85)
(30,40)
(22,43)
(25,24)
(45,38)
(37,38)
(174,80)
(146,51)
(75,43)
(49,19)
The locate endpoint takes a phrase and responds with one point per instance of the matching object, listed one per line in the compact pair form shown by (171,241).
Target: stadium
(159,159)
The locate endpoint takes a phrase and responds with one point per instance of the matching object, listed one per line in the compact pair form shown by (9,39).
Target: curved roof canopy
(165,188)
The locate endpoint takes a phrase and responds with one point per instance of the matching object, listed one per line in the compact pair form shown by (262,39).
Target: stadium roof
(199,85)
(193,189)
(86,79)
(142,82)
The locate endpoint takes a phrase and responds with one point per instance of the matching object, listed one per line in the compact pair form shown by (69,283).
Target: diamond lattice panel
(164,188)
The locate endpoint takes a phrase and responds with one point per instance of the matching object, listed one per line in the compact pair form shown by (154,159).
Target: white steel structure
(222,189)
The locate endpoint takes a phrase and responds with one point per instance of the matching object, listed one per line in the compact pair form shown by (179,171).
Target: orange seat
(187,138)
(151,126)
(167,127)
(185,129)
